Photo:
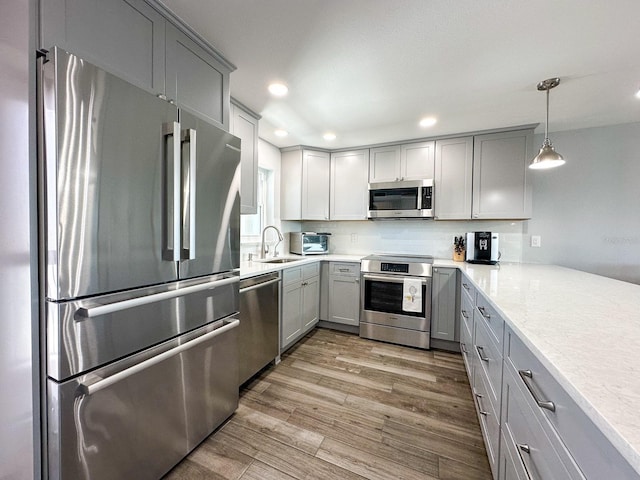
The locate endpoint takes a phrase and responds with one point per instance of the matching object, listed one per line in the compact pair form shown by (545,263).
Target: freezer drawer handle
(90,312)
(105,382)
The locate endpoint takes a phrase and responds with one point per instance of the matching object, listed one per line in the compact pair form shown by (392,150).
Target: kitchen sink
(280,260)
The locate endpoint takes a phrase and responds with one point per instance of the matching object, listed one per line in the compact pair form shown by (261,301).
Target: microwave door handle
(171,248)
(189,196)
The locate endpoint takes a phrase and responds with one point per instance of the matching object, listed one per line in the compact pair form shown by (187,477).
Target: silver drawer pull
(466,286)
(464,313)
(484,313)
(89,389)
(481,354)
(522,447)
(480,410)
(527,378)
(463,347)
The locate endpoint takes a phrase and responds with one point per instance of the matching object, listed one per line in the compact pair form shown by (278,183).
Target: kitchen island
(583,328)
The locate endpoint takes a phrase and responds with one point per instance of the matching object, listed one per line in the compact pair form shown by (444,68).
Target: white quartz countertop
(584,328)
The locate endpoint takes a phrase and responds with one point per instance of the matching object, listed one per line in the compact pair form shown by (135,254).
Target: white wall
(588,210)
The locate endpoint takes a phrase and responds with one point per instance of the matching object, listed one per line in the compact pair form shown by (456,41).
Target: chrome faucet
(264,249)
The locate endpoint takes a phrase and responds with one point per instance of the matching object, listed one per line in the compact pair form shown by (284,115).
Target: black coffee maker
(482,247)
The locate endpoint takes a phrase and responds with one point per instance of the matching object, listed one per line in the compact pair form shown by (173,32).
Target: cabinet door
(453,178)
(416,161)
(291,311)
(349,171)
(291,185)
(125,37)
(344,295)
(195,79)
(501,183)
(245,126)
(310,303)
(384,164)
(315,185)
(444,316)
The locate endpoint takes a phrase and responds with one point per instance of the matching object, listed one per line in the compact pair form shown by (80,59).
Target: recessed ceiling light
(278,89)
(281,133)
(329,136)
(638,94)
(428,122)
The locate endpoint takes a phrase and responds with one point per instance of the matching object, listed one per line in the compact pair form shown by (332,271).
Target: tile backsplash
(426,237)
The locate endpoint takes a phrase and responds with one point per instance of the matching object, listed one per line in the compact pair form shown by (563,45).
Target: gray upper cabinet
(413,161)
(244,124)
(501,181)
(453,178)
(304,187)
(195,79)
(125,37)
(348,189)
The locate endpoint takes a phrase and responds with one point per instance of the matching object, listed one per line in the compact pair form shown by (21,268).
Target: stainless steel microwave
(406,199)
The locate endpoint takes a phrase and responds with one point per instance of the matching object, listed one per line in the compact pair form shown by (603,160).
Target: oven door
(382,302)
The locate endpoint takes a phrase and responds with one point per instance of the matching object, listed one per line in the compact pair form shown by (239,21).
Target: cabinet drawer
(489,420)
(291,275)
(468,289)
(348,269)
(466,312)
(488,315)
(539,450)
(488,361)
(311,270)
(590,448)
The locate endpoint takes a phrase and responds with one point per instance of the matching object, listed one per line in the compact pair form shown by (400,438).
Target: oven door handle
(391,279)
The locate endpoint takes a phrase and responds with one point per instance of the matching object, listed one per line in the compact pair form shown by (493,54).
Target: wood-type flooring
(345,408)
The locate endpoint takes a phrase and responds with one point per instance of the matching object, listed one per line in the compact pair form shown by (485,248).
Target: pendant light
(547,156)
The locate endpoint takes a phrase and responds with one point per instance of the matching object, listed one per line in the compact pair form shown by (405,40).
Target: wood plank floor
(342,407)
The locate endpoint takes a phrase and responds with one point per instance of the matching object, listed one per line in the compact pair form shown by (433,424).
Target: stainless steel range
(396,299)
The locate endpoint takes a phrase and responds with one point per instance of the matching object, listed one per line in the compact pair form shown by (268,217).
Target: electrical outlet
(536,241)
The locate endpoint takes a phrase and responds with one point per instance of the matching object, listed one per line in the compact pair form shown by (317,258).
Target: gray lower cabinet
(445,323)
(300,302)
(344,293)
(244,124)
(125,37)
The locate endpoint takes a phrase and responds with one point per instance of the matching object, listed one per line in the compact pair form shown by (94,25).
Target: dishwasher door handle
(263,284)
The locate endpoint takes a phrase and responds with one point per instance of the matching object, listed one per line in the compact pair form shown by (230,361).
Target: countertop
(584,328)
(258,267)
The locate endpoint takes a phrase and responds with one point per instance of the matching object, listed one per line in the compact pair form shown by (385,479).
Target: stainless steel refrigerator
(140,233)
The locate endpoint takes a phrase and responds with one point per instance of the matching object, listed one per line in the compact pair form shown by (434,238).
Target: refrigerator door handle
(90,312)
(189,196)
(172,202)
(89,389)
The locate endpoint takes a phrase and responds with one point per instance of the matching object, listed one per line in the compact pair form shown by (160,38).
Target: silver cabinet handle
(90,312)
(484,313)
(521,447)
(466,286)
(480,410)
(463,347)
(189,189)
(527,378)
(263,284)
(172,240)
(344,270)
(464,313)
(481,354)
(127,372)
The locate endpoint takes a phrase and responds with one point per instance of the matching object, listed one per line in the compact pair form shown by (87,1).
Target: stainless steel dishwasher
(258,333)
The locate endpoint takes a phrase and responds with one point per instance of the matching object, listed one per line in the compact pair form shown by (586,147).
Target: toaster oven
(309,243)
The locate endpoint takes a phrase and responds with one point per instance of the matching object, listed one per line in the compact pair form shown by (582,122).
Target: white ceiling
(368,70)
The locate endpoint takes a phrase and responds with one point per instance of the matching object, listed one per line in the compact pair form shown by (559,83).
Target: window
(251,225)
